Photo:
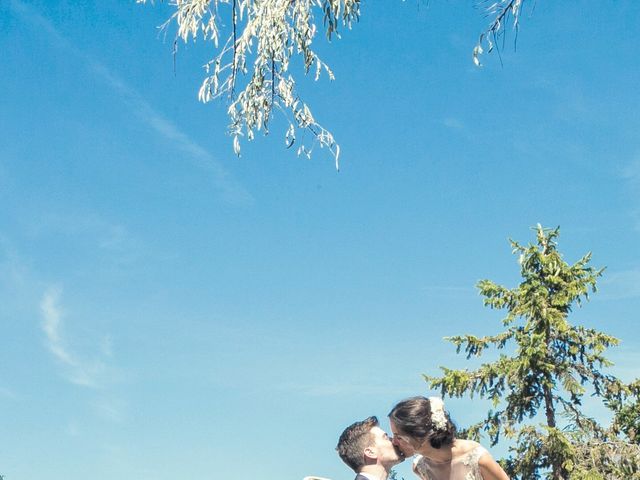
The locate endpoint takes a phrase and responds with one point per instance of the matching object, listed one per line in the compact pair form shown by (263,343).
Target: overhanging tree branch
(260,38)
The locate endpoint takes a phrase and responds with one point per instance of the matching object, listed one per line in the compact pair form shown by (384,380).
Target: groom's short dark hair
(355,438)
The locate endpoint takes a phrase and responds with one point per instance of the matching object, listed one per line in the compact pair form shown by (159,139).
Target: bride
(422,427)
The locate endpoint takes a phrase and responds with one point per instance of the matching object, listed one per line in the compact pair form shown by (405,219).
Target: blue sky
(172,311)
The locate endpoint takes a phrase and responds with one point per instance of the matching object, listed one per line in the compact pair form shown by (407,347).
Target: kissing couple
(422,428)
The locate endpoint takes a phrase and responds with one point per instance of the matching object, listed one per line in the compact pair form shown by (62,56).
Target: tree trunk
(549,408)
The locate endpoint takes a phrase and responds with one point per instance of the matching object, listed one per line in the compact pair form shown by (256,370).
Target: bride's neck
(437,455)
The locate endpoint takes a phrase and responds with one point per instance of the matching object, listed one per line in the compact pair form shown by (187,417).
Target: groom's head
(365,443)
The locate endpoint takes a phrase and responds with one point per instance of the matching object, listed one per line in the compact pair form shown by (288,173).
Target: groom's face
(402,442)
(386,452)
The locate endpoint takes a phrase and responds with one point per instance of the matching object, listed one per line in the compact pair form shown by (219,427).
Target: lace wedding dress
(464,467)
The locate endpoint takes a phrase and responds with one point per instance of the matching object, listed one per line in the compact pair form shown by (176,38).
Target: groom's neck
(375,472)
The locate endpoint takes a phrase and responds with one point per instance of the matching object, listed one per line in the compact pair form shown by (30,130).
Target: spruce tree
(546,366)
(627,412)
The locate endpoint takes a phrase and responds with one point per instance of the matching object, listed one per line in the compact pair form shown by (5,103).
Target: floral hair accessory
(438,417)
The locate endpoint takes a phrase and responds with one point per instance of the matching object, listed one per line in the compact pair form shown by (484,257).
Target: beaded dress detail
(465,467)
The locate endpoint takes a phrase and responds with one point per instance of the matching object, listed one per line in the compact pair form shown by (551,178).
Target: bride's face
(404,443)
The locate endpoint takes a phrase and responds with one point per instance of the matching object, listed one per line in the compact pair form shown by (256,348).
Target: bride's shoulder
(419,466)
(464,447)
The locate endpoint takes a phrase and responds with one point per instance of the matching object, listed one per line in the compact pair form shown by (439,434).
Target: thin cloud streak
(451,291)
(111,409)
(8,394)
(631,175)
(631,172)
(620,285)
(342,389)
(453,123)
(230,190)
(625,363)
(118,247)
(77,372)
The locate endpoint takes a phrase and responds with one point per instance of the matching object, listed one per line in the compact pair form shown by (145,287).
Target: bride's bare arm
(490,469)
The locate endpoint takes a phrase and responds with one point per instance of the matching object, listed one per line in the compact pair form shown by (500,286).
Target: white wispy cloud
(106,346)
(625,363)
(631,172)
(631,175)
(345,389)
(8,394)
(111,409)
(4,177)
(14,276)
(620,285)
(453,123)
(451,291)
(110,237)
(20,288)
(76,370)
(229,189)
(73,430)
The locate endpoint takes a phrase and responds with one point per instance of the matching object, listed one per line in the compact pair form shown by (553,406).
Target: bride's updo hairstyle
(424,419)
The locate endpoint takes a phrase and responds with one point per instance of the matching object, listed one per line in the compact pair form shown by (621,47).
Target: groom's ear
(370,452)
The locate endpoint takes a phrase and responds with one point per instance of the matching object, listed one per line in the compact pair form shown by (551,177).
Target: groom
(368,450)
